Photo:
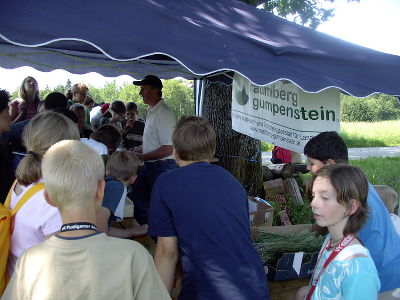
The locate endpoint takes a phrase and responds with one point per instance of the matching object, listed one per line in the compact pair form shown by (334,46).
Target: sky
(369,23)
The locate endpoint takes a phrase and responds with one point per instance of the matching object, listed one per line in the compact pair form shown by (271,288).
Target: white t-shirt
(95,110)
(160,124)
(95,119)
(396,222)
(99,147)
(33,221)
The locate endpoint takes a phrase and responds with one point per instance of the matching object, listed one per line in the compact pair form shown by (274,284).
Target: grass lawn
(371,134)
(381,170)
(364,134)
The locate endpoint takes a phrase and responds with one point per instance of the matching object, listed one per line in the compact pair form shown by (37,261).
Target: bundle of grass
(271,246)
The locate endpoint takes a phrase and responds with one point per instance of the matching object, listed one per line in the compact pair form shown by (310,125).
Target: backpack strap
(8,199)
(28,194)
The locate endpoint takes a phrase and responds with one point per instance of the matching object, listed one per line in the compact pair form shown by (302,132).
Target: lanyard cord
(345,242)
(78,226)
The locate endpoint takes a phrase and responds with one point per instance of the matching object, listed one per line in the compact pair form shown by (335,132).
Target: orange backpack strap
(28,194)
(5,226)
(32,191)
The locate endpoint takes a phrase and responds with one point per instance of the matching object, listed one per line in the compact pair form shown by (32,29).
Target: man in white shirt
(156,151)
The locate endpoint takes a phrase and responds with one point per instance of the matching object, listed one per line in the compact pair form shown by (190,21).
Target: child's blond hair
(40,134)
(79,88)
(71,172)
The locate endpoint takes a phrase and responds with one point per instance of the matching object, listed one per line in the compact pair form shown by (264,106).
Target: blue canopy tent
(192,39)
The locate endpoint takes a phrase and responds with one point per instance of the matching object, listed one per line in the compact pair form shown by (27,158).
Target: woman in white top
(36,220)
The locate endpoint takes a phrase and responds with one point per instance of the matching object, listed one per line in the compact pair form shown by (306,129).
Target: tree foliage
(179,97)
(107,93)
(308,13)
(130,93)
(370,109)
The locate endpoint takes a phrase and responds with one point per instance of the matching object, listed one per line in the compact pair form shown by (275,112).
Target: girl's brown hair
(349,183)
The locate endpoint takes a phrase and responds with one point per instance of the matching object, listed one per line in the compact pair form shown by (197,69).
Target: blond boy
(79,262)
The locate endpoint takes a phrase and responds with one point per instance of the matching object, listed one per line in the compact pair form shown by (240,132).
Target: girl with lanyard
(345,269)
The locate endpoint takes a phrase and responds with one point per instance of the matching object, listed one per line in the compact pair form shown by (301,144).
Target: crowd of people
(69,166)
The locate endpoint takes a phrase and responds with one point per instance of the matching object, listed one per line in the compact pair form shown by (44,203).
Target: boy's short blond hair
(71,172)
(79,88)
(122,165)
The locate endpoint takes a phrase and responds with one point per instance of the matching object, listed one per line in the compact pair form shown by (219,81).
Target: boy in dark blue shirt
(201,212)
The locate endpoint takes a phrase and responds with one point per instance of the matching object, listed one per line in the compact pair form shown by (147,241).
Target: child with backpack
(6,173)
(35,220)
(79,262)
(6,179)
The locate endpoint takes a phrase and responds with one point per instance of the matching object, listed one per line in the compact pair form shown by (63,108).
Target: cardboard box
(260,212)
(290,265)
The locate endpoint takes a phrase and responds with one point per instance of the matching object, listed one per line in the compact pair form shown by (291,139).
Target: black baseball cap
(151,80)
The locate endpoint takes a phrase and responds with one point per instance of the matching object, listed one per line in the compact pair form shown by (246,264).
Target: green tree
(59,88)
(106,93)
(179,96)
(130,93)
(68,85)
(109,91)
(375,108)
(44,92)
(308,13)
(94,92)
(15,94)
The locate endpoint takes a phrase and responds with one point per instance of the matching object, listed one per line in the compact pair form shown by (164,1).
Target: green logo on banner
(241,96)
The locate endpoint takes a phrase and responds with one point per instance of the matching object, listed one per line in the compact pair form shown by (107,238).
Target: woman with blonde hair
(36,219)
(25,107)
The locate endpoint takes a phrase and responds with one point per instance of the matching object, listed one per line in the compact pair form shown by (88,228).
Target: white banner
(281,113)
